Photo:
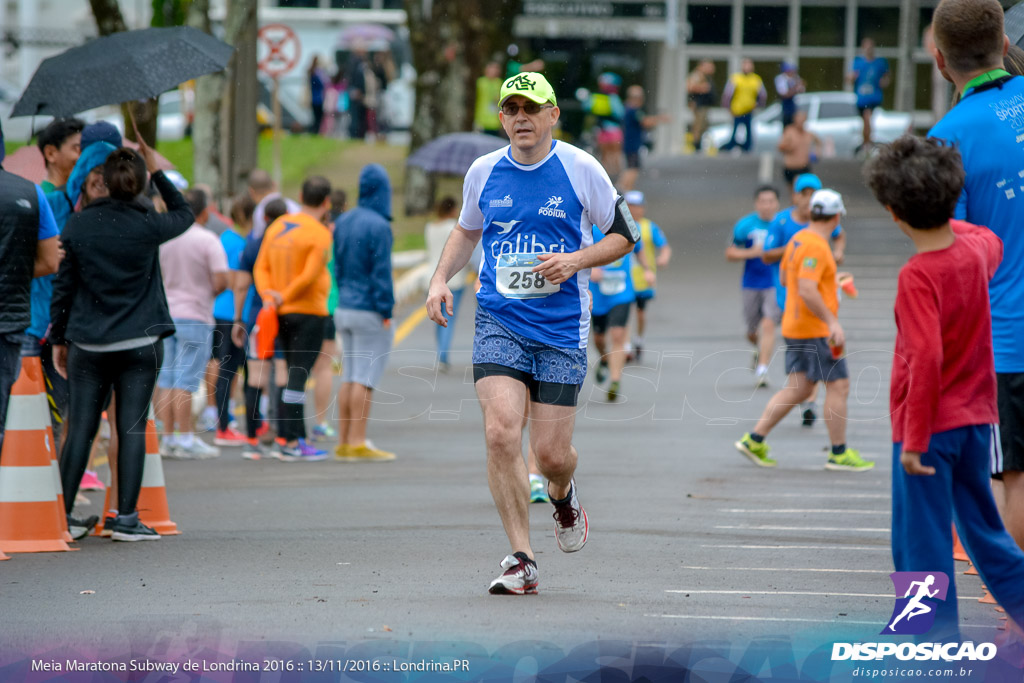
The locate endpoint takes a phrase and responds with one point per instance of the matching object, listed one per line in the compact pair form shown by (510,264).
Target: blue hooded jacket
(63,202)
(362,247)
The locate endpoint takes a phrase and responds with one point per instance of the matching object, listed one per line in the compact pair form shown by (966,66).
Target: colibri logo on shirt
(503,203)
(551,208)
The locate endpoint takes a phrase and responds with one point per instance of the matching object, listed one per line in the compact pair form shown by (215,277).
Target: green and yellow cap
(529,84)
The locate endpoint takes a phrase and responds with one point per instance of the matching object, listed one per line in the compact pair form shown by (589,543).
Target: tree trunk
(452,41)
(110,20)
(206,125)
(240,132)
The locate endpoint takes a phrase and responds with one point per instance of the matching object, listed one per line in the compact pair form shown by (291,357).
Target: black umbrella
(454,153)
(131,65)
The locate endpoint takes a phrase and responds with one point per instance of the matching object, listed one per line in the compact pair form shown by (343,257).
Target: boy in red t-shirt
(943,388)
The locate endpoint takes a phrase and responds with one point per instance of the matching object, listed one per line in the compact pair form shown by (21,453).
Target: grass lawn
(340,161)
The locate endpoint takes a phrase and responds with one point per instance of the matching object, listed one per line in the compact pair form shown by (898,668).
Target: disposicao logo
(914,612)
(917,597)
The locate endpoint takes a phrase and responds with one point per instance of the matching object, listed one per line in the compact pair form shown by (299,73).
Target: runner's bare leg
(551,437)
(502,400)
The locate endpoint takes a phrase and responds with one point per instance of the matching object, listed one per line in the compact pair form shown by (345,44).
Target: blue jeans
(923,508)
(445,334)
(186,353)
(748,141)
(10,368)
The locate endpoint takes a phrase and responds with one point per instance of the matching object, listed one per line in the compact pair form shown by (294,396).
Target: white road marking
(769,527)
(725,618)
(796,619)
(813,593)
(790,569)
(879,548)
(797,511)
(831,495)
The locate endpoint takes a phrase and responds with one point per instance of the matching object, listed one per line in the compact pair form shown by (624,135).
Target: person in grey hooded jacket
(362,268)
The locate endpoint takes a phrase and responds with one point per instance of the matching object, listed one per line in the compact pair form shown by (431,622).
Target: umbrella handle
(147,151)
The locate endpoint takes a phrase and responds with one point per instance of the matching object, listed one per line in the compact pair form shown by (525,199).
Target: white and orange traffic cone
(152,505)
(32,517)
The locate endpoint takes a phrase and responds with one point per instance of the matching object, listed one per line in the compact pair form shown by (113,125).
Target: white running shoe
(197,450)
(519,577)
(571,526)
(761,378)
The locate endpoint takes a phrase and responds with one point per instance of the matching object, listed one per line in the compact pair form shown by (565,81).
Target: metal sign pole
(276,103)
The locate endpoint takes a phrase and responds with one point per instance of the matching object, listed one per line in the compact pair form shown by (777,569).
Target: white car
(832,116)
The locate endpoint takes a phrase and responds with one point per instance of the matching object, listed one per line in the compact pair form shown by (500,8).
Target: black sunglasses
(530,108)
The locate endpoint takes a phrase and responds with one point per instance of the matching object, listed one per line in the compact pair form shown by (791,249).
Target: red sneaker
(229,437)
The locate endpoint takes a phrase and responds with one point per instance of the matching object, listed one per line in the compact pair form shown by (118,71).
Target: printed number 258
(519,280)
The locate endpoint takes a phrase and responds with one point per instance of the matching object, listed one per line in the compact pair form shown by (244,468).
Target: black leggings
(230,358)
(300,337)
(91,376)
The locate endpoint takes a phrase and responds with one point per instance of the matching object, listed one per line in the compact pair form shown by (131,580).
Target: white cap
(827,203)
(635,197)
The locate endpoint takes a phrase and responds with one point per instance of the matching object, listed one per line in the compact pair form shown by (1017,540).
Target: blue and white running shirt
(524,211)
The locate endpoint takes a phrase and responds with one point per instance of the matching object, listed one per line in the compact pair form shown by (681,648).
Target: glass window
(924,87)
(822,25)
(352,4)
(766,25)
(394,4)
(822,73)
(298,3)
(712,24)
(882,24)
(837,110)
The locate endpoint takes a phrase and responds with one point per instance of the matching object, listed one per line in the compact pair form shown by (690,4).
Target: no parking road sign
(279,49)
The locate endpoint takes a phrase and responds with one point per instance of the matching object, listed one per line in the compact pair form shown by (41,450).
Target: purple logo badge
(917,594)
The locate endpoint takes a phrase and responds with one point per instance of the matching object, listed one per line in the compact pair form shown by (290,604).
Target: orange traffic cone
(971,571)
(152,505)
(959,554)
(987,598)
(32,520)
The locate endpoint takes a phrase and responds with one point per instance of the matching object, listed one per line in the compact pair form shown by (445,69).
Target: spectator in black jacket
(110,316)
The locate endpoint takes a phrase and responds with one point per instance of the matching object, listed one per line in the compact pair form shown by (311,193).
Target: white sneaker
(761,379)
(169,449)
(571,526)
(207,422)
(519,577)
(198,450)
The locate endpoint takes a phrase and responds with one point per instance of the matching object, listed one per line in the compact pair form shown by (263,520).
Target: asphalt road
(689,541)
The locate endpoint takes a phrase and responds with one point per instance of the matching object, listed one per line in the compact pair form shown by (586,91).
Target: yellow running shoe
(849,461)
(365,454)
(756,452)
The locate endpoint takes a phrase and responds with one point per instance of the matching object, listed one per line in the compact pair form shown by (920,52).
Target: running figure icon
(915,607)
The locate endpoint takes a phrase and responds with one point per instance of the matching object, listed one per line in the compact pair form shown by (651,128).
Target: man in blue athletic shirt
(987,126)
(533,205)
(761,311)
(870,75)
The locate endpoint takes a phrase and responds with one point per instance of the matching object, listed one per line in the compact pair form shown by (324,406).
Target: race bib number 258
(516,280)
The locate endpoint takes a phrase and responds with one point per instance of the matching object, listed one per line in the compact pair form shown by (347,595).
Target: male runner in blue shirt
(533,205)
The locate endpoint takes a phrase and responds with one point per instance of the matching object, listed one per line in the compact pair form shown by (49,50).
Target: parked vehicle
(832,116)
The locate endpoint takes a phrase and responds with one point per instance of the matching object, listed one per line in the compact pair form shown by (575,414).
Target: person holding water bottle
(814,339)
